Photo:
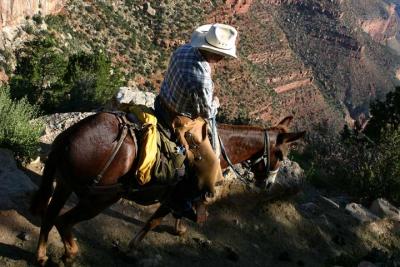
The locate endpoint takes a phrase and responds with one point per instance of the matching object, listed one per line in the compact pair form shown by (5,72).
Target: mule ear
(289,137)
(286,121)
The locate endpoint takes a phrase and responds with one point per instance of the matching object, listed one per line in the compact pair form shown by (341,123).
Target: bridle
(265,158)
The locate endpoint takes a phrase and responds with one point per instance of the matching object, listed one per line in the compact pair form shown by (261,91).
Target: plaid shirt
(187,87)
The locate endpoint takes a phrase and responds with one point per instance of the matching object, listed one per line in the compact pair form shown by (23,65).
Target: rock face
(13,12)
(130,95)
(359,212)
(58,122)
(385,29)
(14,184)
(384,209)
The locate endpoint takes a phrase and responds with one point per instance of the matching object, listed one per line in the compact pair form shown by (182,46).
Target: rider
(187,92)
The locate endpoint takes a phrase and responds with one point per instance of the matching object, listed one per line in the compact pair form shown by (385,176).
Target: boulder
(361,213)
(290,174)
(151,11)
(14,183)
(58,122)
(382,208)
(289,180)
(132,95)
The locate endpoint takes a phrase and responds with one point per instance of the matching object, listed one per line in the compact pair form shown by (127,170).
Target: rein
(264,157)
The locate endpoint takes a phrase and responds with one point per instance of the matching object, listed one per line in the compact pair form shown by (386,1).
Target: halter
(264,157)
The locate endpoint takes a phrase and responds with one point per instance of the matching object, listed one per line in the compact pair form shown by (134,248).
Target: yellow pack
(148,150)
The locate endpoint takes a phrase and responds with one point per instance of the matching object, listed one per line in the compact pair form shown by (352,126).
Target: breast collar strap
(265,156)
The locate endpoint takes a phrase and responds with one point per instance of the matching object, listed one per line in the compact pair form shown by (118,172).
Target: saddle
(160,159)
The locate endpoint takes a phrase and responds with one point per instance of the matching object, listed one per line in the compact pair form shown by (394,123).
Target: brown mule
(80,152)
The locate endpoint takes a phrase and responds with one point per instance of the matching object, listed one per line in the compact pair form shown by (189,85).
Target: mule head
(276,148)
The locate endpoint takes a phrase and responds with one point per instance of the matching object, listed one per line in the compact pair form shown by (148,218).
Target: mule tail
(41,197)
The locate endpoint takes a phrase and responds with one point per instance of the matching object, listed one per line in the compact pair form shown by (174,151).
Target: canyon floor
(245,228)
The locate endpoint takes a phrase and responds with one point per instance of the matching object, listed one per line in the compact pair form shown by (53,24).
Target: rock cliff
(13,12)
(380,19)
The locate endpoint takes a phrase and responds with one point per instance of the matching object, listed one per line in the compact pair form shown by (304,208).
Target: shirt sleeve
(202,89)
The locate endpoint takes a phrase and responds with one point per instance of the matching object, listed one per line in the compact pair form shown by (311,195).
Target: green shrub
(367,166)
(56,81)
(372,170)
(92,81)
(18,131)
(384,115)
(39,71)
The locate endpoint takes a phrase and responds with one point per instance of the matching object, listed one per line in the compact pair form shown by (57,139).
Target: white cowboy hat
(216,38)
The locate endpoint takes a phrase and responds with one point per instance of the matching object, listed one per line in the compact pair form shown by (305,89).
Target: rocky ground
(245,228)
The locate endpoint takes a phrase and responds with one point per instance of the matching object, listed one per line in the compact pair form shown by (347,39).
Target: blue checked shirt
(187,87)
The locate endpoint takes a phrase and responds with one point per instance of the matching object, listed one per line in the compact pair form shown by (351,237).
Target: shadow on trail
(119,215)
(15,253)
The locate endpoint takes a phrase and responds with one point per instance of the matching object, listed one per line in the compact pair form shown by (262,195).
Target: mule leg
(60,196)
(86,209)
(180,228)
(152,223)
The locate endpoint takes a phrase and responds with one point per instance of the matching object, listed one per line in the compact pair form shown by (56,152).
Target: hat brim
(199,41)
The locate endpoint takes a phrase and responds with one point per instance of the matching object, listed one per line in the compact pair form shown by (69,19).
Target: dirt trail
(244,229)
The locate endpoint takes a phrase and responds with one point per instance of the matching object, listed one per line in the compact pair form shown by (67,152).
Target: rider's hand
(216,102)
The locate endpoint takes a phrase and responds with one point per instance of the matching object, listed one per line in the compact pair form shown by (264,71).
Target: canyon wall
(13,12)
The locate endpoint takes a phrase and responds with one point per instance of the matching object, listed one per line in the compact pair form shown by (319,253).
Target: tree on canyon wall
(364,164)
(55,80)
(39,71)
(375,170)
(385,116)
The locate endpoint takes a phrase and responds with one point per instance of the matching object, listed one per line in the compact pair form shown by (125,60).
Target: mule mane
(251,128)
(239,128)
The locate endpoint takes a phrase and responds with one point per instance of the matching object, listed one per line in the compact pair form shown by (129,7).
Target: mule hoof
(41,261)
(180,230)
(68,260)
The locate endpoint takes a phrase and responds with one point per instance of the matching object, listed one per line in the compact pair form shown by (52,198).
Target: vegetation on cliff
(18,131)
(56,80)
(365,164)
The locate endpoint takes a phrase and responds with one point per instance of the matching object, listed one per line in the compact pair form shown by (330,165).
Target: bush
(373,170)
(385,115)
(18,131)
(92,81)
(39,71)
(56,81)
(365,166)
